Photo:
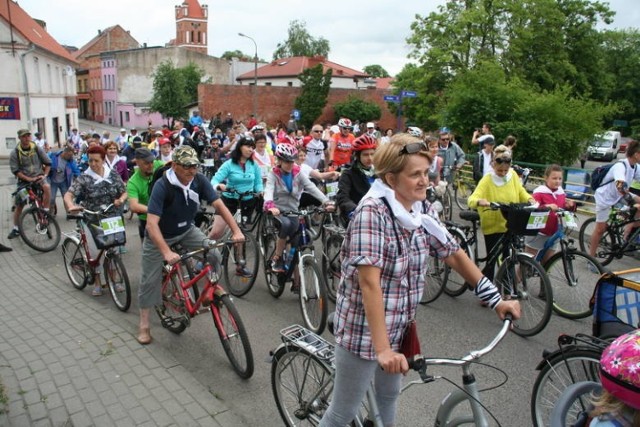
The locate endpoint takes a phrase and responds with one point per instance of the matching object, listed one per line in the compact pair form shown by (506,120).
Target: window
(290,84)
(267,84)
(126,116)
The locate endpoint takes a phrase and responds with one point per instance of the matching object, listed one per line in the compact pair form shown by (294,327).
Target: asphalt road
(448,327)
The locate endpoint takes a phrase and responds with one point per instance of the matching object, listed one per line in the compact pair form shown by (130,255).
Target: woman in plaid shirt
(384,257)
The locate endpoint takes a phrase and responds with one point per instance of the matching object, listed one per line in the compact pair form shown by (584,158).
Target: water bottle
(198,268)
(287,257)
(23,195)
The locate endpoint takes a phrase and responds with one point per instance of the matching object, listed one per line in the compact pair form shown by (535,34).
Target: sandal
(97,292)
(144,336)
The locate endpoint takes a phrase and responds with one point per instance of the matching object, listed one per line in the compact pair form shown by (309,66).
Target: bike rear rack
(301,337)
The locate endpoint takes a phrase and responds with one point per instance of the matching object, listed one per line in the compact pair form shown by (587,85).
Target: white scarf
(112,164)
(97,178)
(173,179)
(546,190)
(501,180)
(409,220)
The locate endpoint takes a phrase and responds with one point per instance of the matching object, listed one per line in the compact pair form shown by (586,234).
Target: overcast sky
(360,32)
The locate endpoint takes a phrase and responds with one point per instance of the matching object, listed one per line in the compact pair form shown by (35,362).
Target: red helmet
(364,142)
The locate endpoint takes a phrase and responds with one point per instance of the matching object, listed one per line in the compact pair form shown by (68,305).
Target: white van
(604,146)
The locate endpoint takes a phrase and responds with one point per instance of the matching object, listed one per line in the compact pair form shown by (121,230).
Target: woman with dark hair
(241,174)
(356,181)
(98,185)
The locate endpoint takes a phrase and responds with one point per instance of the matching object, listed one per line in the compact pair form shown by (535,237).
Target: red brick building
(191,26)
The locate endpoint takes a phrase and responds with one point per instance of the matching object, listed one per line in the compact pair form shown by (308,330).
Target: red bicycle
(180,303)
(38,228)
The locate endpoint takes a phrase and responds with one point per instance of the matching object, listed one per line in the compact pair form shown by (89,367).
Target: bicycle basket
(108,231)
(616,303)
(522,221)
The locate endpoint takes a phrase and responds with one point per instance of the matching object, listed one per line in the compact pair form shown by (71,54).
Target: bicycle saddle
(470,215)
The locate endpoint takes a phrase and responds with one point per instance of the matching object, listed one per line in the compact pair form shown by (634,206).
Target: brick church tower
(191,26)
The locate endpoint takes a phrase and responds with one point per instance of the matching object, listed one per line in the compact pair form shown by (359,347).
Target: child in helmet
(356,181)
(284,188)
(619,403)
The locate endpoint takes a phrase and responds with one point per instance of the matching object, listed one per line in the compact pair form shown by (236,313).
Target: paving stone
(195,410)
(162,418)
(74,405)
(54,400)
(95,408)
(139,415)
(81,419)
(37,411)
(59,416)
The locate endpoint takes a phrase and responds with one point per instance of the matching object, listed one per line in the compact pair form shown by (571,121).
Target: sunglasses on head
(503,160)
(414,147)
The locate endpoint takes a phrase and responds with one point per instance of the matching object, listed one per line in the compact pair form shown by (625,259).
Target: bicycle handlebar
(304,212)
(419,362)
(207,244)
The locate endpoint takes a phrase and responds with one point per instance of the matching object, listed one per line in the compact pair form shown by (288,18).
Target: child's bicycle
(108,233)
(300,266)
(303,371)
(179,305)
(38,228)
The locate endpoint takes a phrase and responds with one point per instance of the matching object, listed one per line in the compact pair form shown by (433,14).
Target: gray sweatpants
(149,292)
(353,377)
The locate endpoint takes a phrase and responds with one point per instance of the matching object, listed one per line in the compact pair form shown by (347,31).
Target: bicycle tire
(461,194)
(314,304)
(558,372)
(115,273)
(447,205)
(239,285)
(275,285)
(331,264)
(454,283)
(433,281)
(233,336)
(173,313)
(314,227)
(573,276)
(297,377)
(203,221)
(42,238)
(523,279)
(190,265)
(75,263)
(604,252)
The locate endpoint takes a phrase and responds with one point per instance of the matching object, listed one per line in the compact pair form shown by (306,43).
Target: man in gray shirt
(452,155)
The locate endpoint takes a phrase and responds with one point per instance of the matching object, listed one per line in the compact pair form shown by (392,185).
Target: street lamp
(255,76)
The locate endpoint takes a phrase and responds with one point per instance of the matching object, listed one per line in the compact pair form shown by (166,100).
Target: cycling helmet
(415,131)
(345,123)
(364,142)
(620,369)
(444,130)
(287,152)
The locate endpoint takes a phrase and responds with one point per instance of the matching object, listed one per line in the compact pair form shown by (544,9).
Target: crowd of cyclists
(280,169)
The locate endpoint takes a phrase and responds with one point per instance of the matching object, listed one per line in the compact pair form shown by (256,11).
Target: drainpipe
(27,97)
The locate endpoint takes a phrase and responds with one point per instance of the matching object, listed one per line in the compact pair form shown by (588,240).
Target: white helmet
(415,131)
(345,123)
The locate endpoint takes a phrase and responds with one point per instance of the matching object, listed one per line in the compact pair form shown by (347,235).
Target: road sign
(392,98)
(296,114)
(409,94)
(621,123)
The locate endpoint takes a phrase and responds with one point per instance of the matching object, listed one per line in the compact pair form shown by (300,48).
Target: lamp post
(255,76)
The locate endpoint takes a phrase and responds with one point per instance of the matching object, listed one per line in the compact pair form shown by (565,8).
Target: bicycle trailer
(616,303)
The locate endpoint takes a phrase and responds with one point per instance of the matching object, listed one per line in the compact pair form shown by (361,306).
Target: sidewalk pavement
(66,361)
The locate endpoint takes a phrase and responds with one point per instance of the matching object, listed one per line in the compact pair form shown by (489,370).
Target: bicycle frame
(210,291)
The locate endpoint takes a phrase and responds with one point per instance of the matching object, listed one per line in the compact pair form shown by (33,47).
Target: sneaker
(14,233)
(97,291)
(243,271)
(277,266)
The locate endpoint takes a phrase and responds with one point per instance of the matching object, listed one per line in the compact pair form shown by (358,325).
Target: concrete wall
(275,103)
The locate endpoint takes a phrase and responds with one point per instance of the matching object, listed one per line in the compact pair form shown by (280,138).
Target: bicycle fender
(446,408)
(272,353)
(553,355)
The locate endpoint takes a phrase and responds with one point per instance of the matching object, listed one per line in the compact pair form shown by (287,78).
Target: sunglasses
(502,161)
(414,147)
(188,166)
(317,130)
(445,139)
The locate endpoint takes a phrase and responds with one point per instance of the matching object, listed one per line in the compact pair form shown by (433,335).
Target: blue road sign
(296,114)
(392,98)
(409,94)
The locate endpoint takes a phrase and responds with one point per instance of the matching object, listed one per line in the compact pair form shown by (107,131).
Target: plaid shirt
(374,238)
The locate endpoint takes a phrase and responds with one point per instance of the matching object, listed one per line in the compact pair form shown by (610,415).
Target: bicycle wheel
(204,221)
(604,252)
(434,280)
(573,276)
(275,284)
(462,193)
(116,277)
(302,386)
(173,313)
(454,284)
(75,263)
(39,229)
(236,258)
(331,264)
(447,205)
(314,303)
(524,280)
(557,373)
(233,335)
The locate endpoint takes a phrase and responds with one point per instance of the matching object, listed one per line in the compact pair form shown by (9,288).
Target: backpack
(600,172)
(478,165)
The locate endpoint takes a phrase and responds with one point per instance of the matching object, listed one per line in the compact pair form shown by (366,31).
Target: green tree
(357,109)
(314,94)
(169,91)
(376,70)
(621,52)
(300,43)
(230,54)
(192,76)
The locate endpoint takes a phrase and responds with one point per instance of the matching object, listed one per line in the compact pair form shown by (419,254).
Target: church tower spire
(191,26)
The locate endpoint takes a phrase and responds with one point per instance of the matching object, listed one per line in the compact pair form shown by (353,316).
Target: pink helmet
(364,142)
(620,369)
(287,152)
(345,123)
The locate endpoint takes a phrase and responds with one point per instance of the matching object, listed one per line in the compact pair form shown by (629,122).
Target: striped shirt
(374,238)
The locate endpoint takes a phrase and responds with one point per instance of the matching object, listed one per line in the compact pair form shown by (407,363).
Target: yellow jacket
(491,221)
